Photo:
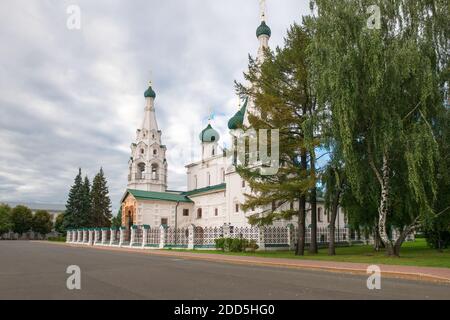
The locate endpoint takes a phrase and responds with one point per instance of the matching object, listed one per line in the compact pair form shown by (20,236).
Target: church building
(215,191)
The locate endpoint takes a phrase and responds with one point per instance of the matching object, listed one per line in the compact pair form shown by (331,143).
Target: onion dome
(150,93)
(263,29)
(237,121)
(209,134)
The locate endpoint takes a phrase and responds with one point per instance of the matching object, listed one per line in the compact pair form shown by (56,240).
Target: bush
(57,239)
(235,245)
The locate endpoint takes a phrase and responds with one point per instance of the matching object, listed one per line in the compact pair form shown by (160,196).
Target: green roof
(263,29)
(238,119)
(164,196)
(205,190)
(150,93)
(209,134)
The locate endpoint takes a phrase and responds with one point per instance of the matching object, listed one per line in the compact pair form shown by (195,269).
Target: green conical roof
(263,29)
(209,134)
(237,121)
(150,93)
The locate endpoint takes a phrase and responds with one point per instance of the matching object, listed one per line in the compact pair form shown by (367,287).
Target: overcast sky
(74,98)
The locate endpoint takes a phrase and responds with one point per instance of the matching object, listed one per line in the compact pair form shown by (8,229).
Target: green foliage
(116,221)
(42,222)
(57,239)
(5,219)
(235,245)
(21,219)
(59,224)
(100,202)
(384,88)
(74,216)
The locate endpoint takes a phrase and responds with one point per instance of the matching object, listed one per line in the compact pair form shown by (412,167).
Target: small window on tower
(155,152)
(142,151)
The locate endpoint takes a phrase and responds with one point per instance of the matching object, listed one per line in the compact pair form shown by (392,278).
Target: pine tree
(100,202)
(73,217)
(284,99)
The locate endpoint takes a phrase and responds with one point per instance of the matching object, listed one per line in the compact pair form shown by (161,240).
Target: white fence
(192,237)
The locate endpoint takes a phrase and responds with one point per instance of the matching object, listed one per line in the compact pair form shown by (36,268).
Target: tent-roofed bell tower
(148,165)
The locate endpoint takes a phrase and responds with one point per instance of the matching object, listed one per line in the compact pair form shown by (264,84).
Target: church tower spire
(148,166)
(263,32)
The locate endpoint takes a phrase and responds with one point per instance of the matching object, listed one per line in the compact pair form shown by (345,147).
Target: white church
(215,190)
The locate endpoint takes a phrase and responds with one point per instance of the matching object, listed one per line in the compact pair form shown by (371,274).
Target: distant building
(53,209)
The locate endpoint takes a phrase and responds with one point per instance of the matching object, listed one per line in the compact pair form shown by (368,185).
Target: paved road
(32,270)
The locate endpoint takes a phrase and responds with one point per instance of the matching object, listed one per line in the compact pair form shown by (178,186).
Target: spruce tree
(73,217)
(86,213)
(100,202)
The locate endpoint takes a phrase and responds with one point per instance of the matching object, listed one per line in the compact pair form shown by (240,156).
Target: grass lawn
(412,254)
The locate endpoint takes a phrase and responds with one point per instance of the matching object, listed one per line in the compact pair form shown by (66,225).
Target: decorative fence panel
(107,237)
(276,237)
(176,237)
(205,237)
(249,233)
(153,237)
(116,236)
(126,236)
(138,234)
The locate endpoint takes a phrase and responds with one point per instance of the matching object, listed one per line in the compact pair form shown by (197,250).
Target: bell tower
(147,169)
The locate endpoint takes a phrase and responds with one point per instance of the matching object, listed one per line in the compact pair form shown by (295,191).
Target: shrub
(220,244)
(57,239)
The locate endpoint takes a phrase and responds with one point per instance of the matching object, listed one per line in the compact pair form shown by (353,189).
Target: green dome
(209,134)
(150,93)
(238,119)
(263,29)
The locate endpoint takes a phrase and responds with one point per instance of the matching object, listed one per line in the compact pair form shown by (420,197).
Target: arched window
(142,151)
(199,213)
(155,152)
(141,171)
(213,151)
(155,172)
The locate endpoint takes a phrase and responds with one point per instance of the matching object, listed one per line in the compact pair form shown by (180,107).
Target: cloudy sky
(74,98)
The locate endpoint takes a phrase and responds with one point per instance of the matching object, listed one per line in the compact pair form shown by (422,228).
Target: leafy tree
(384,87)
(21,219)
(100,202)
(59,224)
(42,222)
(5,219)
(283,97)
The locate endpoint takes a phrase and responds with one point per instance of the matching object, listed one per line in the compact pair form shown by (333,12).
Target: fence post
(91,237)
(121,236)
(112,238)
(191,238)
(162,237)
(133,235)
(261,241)
(104,236)
(226,230)
(290,232)
(146,227)
(68,236)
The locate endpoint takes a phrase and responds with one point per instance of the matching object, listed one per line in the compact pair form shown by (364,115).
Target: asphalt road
(32,270)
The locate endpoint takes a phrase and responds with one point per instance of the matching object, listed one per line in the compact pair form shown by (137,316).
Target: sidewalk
(405,272)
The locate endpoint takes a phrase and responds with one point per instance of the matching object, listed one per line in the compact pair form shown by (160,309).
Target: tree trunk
(334,213)
(313,202)
(302,211)
(301,226)
(383,209)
